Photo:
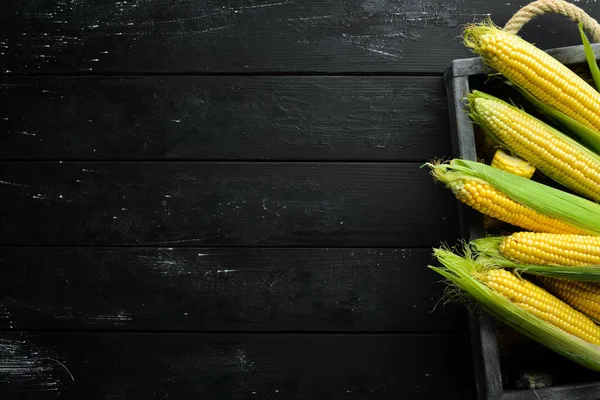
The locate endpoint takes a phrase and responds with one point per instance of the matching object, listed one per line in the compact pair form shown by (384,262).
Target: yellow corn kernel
(551,249)
(536,142)
(542,304)
(515,165)
(536,71)
(489,201)
(582,296)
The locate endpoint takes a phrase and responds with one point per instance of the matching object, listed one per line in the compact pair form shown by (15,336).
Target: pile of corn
(539,272)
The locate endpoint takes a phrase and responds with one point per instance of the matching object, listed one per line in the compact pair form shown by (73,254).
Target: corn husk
(574,210)
(462,273)
(590,57)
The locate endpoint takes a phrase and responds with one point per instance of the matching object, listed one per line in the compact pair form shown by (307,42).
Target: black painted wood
(271,366)
(200,289)
(48,36)
(224,204)
(571,392)
(224,118)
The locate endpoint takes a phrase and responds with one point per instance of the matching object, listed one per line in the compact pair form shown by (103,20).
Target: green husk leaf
(462,272)
(587,136)
(487,251)
(591,57)
(574,210)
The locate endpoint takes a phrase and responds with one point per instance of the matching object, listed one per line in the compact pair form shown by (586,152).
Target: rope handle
(541,7)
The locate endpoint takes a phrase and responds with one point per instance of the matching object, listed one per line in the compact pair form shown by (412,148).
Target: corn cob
(571,212)
(515,165)
(542,304)
(488,251)
(490,201)
(582,296)
(536,72)
(551,249)
(552,152)
(523,306)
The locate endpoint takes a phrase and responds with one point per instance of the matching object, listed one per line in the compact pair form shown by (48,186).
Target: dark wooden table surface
(222,199)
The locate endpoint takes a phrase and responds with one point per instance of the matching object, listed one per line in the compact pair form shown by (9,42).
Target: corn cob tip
(442,172)
(478,102)
(475,34)
(477,106)
(513,164)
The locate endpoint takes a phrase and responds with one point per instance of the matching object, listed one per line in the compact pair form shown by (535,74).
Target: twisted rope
(541,7)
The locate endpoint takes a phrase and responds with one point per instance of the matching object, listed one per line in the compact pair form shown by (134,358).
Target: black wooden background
(209,199)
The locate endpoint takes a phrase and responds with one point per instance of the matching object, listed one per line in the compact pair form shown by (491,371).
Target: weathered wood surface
(243,366)
(223,199)
(208,289)
(224,204)
(224,118)
(108,36)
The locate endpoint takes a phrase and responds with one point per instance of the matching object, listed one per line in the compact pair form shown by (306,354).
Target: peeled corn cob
(582,296)
(542,304)
(515,165)
(551,249)
(552,152)
(536,72)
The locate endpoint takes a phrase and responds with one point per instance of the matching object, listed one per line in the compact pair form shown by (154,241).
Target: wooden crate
(458,79)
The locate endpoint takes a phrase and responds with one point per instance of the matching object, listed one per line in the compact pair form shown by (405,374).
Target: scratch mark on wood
(119,318)
(64,366)
(192,33)
(13,184)
(22,367)
(215,29)
(264,5)
(181,20)
(311,18)
(383,53)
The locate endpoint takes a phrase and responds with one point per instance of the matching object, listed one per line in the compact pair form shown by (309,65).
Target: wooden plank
(224,118)
(208,289)
(224,204)
(571,392)
(48,36)
(269,366)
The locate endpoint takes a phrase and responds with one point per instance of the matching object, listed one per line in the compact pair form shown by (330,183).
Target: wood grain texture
(224,118)
(208,289)
(224,204)
(85,36)
(196,366)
